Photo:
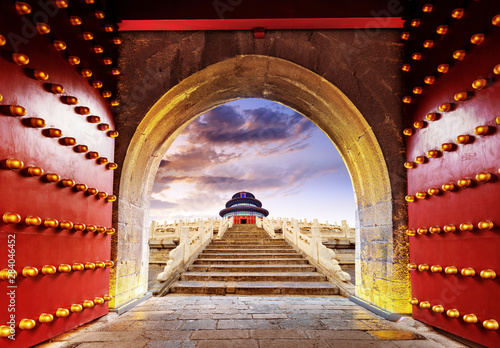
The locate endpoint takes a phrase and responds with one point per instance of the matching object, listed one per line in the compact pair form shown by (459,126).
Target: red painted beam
(267,23)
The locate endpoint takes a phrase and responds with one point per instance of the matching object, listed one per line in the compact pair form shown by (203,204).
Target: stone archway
(381,273)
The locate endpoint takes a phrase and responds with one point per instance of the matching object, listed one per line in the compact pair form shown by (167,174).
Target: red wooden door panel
(71,260)
(454,89)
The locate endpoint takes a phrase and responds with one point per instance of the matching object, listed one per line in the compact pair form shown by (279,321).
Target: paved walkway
(249,321)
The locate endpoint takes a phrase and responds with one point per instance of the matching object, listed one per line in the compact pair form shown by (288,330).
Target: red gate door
(453,106)
(56,177)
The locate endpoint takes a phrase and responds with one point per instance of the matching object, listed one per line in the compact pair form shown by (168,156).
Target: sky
(257,146)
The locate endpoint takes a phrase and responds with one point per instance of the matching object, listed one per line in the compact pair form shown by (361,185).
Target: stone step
(254,288)
(238,237)
(258,240)
(254,276)
(246,234)
(248,246)
(255,231)
(288,261)
(244,237)
(235,255)
(245,228)
(248,251)
(243,233)
(249,241)
(262,232)
(252,268)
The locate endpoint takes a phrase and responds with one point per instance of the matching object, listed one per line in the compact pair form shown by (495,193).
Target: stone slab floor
(249,321)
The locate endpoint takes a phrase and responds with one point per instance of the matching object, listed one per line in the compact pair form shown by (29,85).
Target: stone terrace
(249,321)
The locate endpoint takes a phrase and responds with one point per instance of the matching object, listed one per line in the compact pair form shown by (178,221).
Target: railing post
(211,228)
(184,239)
(152,229)
(296,231)
(178,227)
(345,228)
(201,231)
(315,239)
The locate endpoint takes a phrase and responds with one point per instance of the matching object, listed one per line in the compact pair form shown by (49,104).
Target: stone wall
(363,65)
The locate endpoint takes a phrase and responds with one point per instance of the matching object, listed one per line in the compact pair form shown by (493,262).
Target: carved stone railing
(267,225)
(172,231)
(328,230)
(188,247)
(223,226)
(313,247)
(168,233)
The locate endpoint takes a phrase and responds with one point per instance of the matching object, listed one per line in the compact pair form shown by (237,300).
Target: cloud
(279,175)
(229,184)
(289,123)
(160,187)
(264,125)
(224,116)
(157,204)
(191,157)
(226,134)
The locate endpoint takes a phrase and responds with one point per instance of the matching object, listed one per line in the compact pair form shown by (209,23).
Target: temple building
(244,208)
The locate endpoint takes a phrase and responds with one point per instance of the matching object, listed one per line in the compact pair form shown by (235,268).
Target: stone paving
(176,321)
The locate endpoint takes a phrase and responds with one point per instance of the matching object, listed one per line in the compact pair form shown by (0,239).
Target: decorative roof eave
(242,208)
(250,200)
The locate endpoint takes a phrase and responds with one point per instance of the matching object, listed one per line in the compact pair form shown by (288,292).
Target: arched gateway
(381,257)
